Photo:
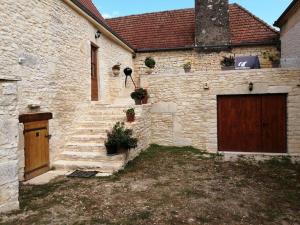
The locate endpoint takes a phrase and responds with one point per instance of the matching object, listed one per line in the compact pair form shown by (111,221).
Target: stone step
(88,138)
(85,147)
(95,124)
(89,156)
(91,130)
(107,167)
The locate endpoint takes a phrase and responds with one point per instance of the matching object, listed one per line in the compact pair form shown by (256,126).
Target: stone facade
(141,129)
(184,110)
(171,62)
(290,41)
(9,184)
(48,44)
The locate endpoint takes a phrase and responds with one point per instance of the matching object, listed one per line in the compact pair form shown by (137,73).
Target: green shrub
(139,94)
(120,139)
(228,61)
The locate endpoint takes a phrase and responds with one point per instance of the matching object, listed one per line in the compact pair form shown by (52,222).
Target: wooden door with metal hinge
(36,137)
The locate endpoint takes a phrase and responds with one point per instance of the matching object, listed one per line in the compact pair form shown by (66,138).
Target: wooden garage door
(252,123)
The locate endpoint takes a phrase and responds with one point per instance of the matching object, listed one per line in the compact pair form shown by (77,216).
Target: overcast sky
(268,10)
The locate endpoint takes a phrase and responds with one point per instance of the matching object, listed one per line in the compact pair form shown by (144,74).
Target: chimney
(212,23)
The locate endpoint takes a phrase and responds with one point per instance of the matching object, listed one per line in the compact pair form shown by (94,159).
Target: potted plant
(150,63)
(187,67)
(140,96)
(120,140)
(228,63)
(116,69)
(273,58)
(130,115)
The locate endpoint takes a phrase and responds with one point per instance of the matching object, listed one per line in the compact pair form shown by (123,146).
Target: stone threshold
(258,156)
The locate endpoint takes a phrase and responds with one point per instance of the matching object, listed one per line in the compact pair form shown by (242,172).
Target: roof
(176,29)
(289,11)
(90,9)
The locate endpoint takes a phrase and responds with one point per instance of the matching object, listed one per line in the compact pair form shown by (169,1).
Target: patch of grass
(191,193)
(31,193)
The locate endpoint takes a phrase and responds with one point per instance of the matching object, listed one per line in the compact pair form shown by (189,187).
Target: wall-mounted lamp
(205,86)
(251,86)
(98,34)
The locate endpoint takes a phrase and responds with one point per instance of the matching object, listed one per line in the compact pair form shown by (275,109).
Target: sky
(268,10)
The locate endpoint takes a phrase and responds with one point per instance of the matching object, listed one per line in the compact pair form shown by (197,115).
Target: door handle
(48,136)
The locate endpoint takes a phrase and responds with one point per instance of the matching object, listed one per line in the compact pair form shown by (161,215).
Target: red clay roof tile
(176,28)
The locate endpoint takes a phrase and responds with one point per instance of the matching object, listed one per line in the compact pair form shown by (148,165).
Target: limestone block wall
(290,41)
(171,62)
(184,111)
(48,44)
(141,129)
(9,184)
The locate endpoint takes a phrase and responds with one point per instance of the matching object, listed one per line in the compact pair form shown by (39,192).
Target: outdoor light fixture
(128,72)
(251,85)
(98,34)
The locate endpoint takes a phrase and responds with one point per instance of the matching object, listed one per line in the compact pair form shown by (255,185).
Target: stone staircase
(85,146)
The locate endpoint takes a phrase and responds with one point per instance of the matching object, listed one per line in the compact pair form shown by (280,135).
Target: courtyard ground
(169,185)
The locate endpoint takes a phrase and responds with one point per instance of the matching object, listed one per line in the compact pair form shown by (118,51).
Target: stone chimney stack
(212,23)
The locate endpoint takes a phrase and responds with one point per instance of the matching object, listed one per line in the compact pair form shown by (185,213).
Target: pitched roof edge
(94,17)
(242,44)
(279,21)
(257,18)
(149,13)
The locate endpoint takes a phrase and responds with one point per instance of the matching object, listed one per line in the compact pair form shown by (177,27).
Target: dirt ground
(169,185)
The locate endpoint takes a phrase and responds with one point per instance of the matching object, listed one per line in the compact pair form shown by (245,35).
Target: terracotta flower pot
(149,70)
(130,118)
(116,72)
(145,100)
(138,101)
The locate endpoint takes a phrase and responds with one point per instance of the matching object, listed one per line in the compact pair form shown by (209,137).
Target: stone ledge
(10,78)
(221,72)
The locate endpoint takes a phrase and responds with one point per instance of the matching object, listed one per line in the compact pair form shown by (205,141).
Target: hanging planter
(150,63)
(140,96)
(116,70)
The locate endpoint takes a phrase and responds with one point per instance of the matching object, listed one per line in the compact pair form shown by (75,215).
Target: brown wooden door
(36,148)
(94,73)
(274,123)
(252,123)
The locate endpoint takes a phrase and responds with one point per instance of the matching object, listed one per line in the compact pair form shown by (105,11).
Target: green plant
(187,66)
(228,61)
(139,94)
(120,139)
(273,57)
(150,62)
(130,112)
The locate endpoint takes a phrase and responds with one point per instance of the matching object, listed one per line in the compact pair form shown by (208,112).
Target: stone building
(198,35)
(289,24)
(59,95)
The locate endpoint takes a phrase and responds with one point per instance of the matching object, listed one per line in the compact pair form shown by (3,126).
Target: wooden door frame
(93,45)
(256,94)
(31,118)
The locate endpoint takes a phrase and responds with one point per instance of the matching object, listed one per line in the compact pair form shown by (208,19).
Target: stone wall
(48,45)
(141,129)
(184,111)
(9,184)
(290,41)
(171,62)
